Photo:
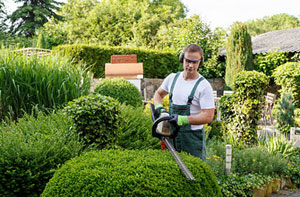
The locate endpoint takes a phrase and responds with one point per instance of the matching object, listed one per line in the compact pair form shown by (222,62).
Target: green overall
(187,140)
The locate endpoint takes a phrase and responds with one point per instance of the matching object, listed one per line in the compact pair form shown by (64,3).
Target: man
(191,102)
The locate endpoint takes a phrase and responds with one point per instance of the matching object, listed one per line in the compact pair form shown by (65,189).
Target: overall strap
(194,90)
(172,86)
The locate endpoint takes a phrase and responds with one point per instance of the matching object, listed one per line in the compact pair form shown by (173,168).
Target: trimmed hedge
(121,90)
(32,149)
(96,119)
(131,173)
(156,63)
(288,77)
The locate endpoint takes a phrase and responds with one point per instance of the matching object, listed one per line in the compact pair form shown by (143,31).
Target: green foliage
(156,63)
(242,110)
(267,62)
(121,90)
(215,157)
(297,116)
(31,15)
(216,130)
(272,23)
(257,160)
(32,149)
(134,173)
(46,82)
(114,22)
(212,68)
(288,77)
(15,41)
(238,53)
(294,167)
(233,185)
(135,130)
(96,119)
(285,113)
(181,33)
(278,144)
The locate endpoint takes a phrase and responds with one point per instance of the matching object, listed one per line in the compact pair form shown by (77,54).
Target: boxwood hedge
(133,173)
(120,89)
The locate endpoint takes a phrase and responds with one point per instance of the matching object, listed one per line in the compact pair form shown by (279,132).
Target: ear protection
(181,57)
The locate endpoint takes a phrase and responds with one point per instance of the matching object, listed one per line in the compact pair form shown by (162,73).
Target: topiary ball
(120,89)
(131,173)
(96,119)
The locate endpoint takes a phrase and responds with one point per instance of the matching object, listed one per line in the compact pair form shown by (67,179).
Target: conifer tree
(238,53)
(31,15)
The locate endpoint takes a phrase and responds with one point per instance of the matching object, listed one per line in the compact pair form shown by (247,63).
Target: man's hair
(195,48)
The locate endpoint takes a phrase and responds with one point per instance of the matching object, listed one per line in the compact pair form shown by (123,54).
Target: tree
(238,52)
(31,15)
(115,22)
(272,23)
(180,33)
(2,16)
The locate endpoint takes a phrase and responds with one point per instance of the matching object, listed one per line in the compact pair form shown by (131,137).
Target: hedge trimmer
(161,130)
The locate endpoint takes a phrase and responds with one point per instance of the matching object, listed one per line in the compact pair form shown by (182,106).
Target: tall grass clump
(46,82)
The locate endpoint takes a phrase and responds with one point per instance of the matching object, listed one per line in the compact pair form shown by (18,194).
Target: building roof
(287,40)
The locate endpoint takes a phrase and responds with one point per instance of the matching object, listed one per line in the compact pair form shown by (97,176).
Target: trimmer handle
(161,119)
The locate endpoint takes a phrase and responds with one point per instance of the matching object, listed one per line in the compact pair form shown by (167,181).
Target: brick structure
(117,59)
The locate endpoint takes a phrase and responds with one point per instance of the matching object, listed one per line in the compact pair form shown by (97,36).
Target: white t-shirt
(203,97)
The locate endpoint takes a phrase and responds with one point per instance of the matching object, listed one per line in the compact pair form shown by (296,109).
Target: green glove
(179,120)
(158,110)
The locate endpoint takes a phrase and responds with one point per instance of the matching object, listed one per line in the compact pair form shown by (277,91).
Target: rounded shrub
(96,119)
(32,149)
(135,130)
(120,89)
(131,173)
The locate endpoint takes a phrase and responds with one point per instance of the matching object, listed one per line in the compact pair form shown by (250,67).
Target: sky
(222,13)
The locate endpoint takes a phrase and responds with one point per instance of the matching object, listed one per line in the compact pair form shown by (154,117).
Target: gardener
(191,102)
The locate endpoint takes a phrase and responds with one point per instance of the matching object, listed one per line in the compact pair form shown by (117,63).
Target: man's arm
(158,96)
(206,116)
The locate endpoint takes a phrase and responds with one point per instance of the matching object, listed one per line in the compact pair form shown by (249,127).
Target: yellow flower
(207,158)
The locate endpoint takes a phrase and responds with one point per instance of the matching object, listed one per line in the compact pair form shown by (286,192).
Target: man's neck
(190,77)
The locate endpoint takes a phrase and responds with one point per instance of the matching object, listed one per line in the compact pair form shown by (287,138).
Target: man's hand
(179,120)
(158,110)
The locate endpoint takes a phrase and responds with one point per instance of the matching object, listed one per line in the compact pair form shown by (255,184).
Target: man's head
(192,58)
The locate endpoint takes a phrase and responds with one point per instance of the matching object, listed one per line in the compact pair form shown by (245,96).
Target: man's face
(191,62)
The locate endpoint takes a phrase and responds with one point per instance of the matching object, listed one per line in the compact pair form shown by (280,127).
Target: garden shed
(287,40)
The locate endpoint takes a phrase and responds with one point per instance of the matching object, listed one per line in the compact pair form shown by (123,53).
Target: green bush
(233,185)
(284,113)
(131,173)
(121,90)
(238,53)
(257,160)
(294,167)
(46,82)
(32,149)
(96,119)
(135,130)
(242,109)
(156,63)
(288,77)
(267,62)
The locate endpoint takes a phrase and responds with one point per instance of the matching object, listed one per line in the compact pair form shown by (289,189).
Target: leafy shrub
(267,62)
(165,105)
(212,68)
(156,63)
(135,130)
(216,157)
(294,167)
(233,185)
(134,173)
(284,113)
(32,149)
(121,90)
(242,110)
(297,116)
(288,77)
(96,119)
(257,160)
(46,82)
(217,129)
